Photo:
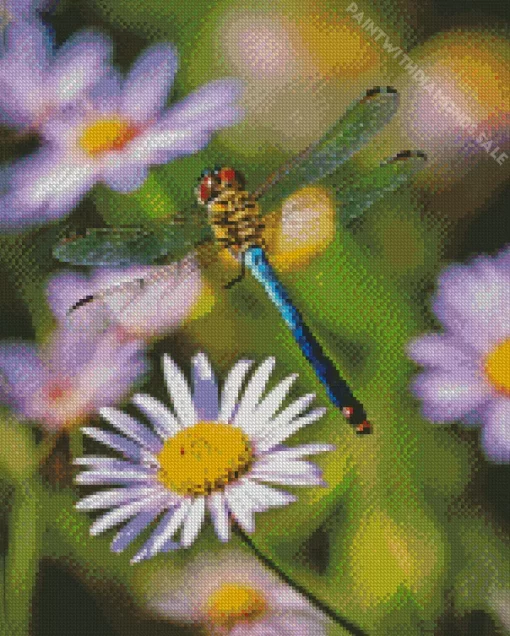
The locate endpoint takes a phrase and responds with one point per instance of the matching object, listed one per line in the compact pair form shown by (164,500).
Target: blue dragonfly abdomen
(337,388)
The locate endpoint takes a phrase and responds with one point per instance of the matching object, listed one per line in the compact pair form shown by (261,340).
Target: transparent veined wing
(144,301)
(132,245)
(359,194)
(361,122)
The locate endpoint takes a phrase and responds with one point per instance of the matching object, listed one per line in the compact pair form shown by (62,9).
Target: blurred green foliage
(404,540)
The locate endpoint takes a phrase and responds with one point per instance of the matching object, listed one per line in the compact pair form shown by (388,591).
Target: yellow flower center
(105,135)
(204,458)
(497,367)
(230,604)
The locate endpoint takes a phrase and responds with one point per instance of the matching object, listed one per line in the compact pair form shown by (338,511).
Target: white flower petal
(115,441)
(300,451)
(172,526)
(269,405)
(266,497)
(98,478)
(124,512)
(193,522)
(158,414)
(231,389)
(179,392)
(254,391)
(219,513)
(279,433)
(240,507)
(134,527)
(205,389)
(131,428)
(288,414)
(113,497)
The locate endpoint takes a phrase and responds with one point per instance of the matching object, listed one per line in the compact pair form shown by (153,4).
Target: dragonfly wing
(131,304)
(126,246)
(363,120)
(391,174)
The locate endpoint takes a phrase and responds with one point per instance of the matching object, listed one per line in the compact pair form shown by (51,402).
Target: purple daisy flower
(161,305)
(38,79)
(113,137)
(467,374)
(18,10)
(70,379)
(210,452)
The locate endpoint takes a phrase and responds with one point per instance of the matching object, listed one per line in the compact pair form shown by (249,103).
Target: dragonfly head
(214,182)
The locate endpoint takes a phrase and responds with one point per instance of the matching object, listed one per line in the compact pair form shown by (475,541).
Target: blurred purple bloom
(161,305)
(37,79)
(18,10)
(113,137)
(70,379)
(467,368)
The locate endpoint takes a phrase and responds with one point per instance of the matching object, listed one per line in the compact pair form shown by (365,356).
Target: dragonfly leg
(239,278)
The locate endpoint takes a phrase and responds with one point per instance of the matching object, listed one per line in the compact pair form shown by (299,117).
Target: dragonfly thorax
(235,218)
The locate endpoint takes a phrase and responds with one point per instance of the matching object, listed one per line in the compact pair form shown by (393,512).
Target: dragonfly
(235,222)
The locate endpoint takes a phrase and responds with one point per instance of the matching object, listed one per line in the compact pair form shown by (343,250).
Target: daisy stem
(348,625)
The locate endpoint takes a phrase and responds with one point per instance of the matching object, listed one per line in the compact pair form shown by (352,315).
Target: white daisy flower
(211,453)
(233,594)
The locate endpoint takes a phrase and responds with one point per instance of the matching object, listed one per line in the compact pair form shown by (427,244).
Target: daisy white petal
(289,413)
(135,527)
(159,415)
(219,513)
(240,507)
(179,392)
(115,441)
(231,389)
(300,451)
(171,526)
(131,428)
(272,402)
(96,478)
(280,433)
(254,391)
(205,388)
(116,516)
(193,522)
(267,497)
(113,497)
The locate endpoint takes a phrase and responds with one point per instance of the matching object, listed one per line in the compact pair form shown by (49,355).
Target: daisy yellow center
(105,135)
(203,458)
(230,604)
(497,366)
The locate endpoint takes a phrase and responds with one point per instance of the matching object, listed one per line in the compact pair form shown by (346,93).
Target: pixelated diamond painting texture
(255,317)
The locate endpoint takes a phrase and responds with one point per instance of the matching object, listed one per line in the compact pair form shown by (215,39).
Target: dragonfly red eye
(205,189)
(227,175)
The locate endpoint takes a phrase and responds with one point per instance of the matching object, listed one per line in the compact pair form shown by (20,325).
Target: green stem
(22,557)
(348,625)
